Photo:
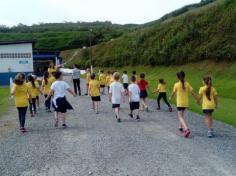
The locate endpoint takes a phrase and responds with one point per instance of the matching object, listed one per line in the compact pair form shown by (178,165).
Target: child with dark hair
(209,98)
(125,79)
(94,91)
(102,81)
(22,95)
(182,89)
(134,98)
(76,79)
(143,85)
(60,103)
(33,88)
(161,89)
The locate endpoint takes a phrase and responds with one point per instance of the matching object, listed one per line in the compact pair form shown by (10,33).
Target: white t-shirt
(135,92)
(60,88)
(116,89)
(125,78)
(76,73)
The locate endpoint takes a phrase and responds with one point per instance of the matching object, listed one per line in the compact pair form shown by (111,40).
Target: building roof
(16,42)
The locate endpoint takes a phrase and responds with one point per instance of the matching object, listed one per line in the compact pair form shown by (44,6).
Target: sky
(31,12)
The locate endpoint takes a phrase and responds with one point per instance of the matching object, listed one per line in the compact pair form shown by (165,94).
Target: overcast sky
(117,11)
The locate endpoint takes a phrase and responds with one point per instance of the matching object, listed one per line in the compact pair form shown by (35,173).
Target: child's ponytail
(45,77)
(31,80)
(208,81)
(181,76)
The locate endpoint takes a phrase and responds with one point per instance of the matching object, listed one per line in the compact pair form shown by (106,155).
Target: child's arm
(71,92)
(110,95)
(216,101)
(50,94)
(195,96)
(30,96)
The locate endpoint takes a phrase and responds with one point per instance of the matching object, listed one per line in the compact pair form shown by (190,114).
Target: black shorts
(134,105)
(125,85)
(181,108)
(208,111)
(143,94)
(62,105)
(115,105)
(37,97)
(102,86)
(97,98)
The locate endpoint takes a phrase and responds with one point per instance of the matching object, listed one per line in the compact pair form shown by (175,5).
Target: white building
(15,57)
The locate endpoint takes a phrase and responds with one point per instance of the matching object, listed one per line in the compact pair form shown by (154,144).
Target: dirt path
(98,145)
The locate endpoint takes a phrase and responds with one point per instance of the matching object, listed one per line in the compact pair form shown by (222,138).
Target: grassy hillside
(205,33)
(66,35)
(223,80)
(4,102)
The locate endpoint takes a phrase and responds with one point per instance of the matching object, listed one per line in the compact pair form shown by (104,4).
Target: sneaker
(210,133)
(86,94)
(147,109)
(56,124)
(22,130)
(186,133)
(138,118)
(32,115)
(158,108)
(181,130)
(131,115)
(170,109)
(64,125)
(25,130)
(118,120)
(97,112)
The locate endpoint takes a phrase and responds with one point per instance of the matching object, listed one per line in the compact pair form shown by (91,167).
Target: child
(39,91)
(108,78)
(143,85)
(116,93)
(209,98)
(22,95)
(60,104)
(34,89)
(134,74)
(94,90)
(161,89)
(46,85)
(76,79)
(125,82)
(134,98)
(52,68)
(88,76)
(102,80)
(182,90)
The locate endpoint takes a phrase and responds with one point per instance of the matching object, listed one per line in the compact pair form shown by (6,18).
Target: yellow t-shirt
(51,70)
(206,103)
(94,88)
(37,83)
(47,87)
(182,95)
(88,77)
(33,90)
(108,80)
(102,79)
(161,88)
(21,95)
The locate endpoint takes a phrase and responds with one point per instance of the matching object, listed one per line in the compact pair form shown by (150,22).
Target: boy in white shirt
(125,82)
(60,104)
(134,98)
(116,94)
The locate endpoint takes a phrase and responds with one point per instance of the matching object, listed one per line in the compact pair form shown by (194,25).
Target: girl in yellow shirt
(102,81)
(94,91)
(161,89)
(46,88)
(182,89)
(21,93)
(208,95)
(34,89)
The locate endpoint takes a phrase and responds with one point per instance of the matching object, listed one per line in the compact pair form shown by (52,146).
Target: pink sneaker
(186,133)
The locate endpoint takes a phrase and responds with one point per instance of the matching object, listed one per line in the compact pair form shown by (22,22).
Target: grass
(223,80)
(4,102)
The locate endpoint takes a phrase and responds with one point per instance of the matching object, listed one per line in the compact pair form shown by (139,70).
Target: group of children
(54,90)
(137,92)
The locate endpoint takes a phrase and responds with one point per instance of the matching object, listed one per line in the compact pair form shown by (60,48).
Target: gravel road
(99,146)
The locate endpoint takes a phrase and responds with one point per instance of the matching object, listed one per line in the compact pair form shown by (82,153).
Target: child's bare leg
(181,120)
(208,121)
(96,106)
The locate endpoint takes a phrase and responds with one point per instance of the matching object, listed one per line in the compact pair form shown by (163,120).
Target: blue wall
(5,78)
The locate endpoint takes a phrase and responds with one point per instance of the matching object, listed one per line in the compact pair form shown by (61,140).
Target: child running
(94,91)
(209,98)
(134,98)
(161,89)
(143,85)
(116,93)
(182,90)
(125,79)
(60,103)
(102,81)
(34,89)
(38,92)
(22,95)
(88,77)
(46,86)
